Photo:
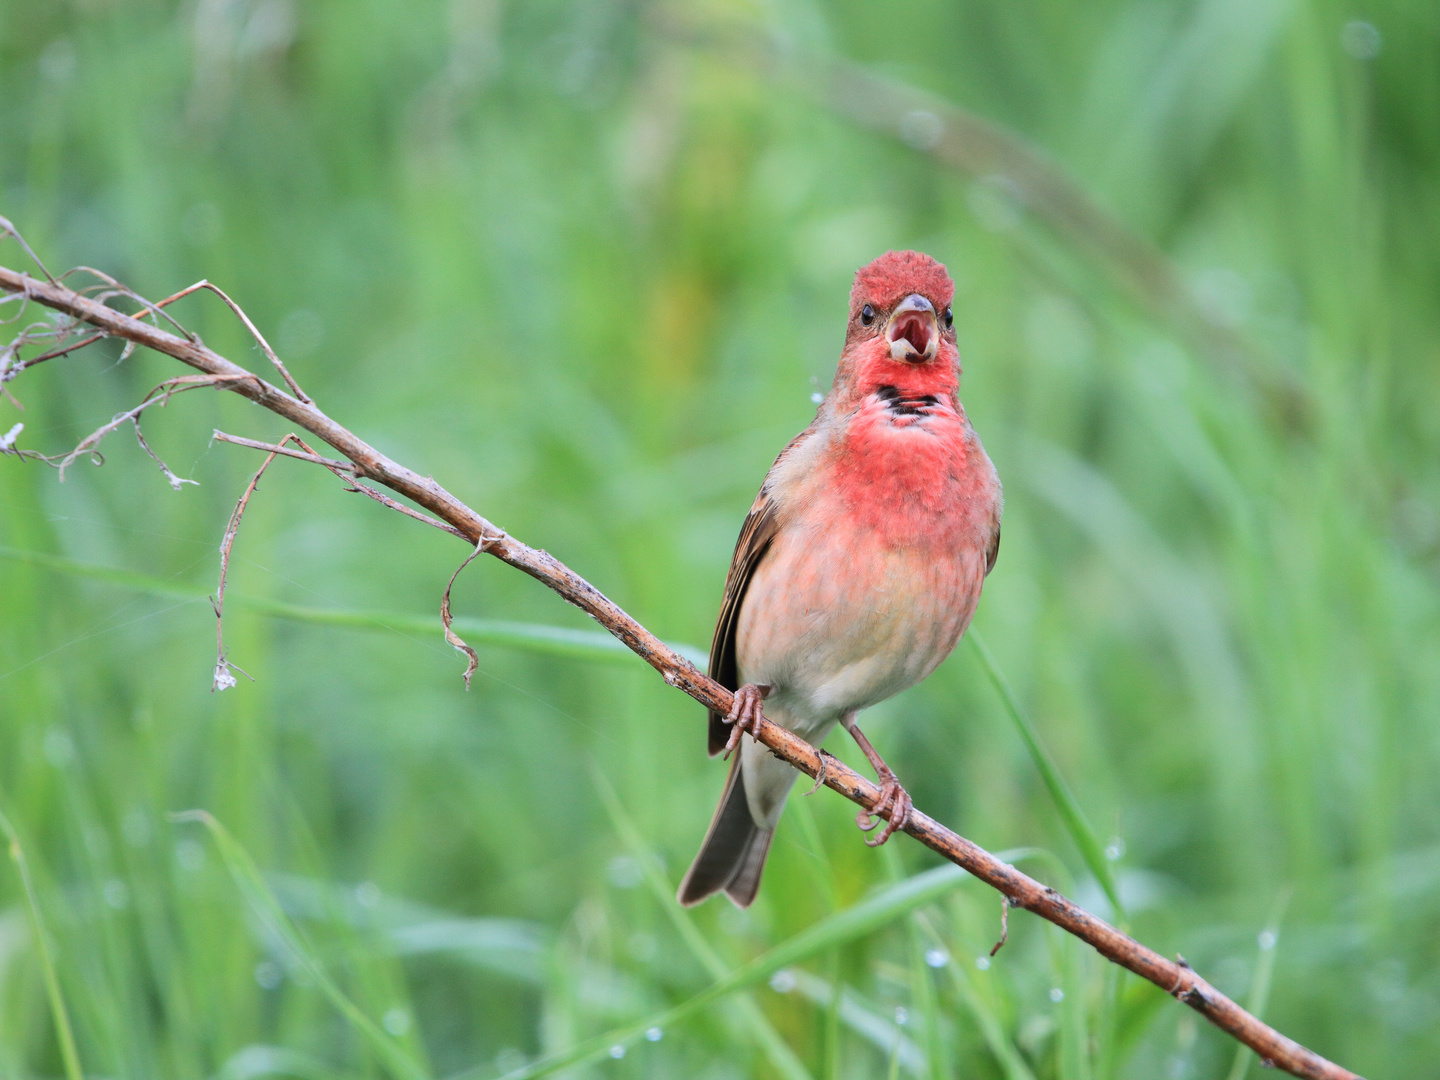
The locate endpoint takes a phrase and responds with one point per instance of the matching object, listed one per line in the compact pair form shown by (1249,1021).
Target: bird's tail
(733,853)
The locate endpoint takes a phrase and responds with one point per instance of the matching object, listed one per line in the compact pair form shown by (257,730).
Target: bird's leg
(745,714)
(894,804)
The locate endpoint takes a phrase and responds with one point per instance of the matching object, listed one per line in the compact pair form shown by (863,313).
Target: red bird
(859,565)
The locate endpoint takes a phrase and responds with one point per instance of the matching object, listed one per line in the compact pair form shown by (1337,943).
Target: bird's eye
(949,318)
(867,315)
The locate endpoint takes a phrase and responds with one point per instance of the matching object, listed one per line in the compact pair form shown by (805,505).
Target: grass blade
(1259,997)
(991,1030)
(923,1019)
(531,637)
(833,1003)
(514,948)
(882,1033)
(1070,813)
(786,1062)
(58,1013)
(257,1060)
(854,922)
(267,909)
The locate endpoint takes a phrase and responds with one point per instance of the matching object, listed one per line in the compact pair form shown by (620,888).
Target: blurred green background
(587,264)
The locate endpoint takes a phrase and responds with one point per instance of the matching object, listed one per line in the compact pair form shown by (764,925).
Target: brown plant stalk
(364,462)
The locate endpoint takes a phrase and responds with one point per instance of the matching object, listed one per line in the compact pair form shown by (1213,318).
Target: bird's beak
(914,333)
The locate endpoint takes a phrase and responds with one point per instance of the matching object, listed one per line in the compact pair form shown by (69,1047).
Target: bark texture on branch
(1176,979)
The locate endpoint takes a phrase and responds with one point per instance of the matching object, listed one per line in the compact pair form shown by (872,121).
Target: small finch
(858,567)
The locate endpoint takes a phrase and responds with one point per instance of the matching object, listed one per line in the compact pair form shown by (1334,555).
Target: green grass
(585,264)
(40,942)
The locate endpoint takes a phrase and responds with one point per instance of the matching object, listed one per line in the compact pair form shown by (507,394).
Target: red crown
(897,274)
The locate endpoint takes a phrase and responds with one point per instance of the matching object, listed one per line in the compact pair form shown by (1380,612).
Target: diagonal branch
(1176,979)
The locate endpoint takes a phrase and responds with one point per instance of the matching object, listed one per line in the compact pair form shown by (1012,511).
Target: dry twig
(223,679)
(1004,924)
(259,337)
(1177,979)
(337,467)
(345,471)
(472,661)
(8,229)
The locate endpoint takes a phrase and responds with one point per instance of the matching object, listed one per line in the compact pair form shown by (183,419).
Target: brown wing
(992,552)
(754,542)
(755,537)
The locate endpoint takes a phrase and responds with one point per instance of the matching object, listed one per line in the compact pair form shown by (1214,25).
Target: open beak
(914,333)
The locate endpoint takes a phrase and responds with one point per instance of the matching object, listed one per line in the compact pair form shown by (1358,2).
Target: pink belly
(838,617)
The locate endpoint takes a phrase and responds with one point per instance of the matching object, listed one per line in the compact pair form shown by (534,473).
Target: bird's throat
(902,404)
(905,467)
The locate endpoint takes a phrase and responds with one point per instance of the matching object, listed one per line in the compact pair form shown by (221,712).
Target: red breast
(906,463)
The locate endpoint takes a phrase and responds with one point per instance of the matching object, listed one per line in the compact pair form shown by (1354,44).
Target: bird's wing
(993,551)
(755,538)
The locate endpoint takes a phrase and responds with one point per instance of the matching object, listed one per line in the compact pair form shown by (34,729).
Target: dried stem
(7,229)
(1176,979)
(1004,924)
(176,482)
(259,337)
(472,661)
(223,679)
(385,500)
(281,448)
(15,369)
(59,331)
(344,470)
(101,294)
(161,395)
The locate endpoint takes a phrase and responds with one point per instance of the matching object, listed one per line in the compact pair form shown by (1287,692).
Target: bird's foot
(745,714)
(894,805)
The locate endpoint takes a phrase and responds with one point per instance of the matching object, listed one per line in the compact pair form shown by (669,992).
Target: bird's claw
(894,805)
(744,715)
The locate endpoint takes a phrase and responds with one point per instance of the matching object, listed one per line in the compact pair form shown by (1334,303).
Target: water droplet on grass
(268,974)
(396,1021)
(623,872)
(190,854)
(783,981)
(59,748)
(921,129)
(367,894)
(1360,39)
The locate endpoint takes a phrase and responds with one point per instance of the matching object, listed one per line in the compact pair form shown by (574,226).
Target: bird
(858,567)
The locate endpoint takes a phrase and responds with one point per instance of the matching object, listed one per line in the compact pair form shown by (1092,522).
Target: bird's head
(901,329)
